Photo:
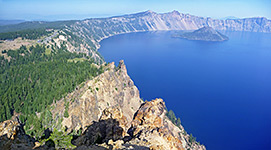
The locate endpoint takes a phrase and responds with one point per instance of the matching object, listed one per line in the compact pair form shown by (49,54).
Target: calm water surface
(220,90)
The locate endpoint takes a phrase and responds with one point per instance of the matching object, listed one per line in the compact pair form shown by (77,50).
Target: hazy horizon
(37,10)
(87,16)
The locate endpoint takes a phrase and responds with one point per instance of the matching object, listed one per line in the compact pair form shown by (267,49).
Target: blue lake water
(220,90)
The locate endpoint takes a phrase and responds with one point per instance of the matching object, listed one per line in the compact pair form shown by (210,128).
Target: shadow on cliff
(20,140)
(101,132)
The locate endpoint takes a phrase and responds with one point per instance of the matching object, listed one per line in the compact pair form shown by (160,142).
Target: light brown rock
(151,128)
(112,88)
(9,128)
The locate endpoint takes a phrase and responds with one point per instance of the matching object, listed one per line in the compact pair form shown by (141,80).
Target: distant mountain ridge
(10,22)
(167,21)
(95,30)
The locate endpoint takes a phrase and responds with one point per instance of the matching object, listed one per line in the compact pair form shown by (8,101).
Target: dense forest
(25,34)
(36,76)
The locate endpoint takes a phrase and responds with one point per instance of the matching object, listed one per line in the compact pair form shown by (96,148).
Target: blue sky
(80,9)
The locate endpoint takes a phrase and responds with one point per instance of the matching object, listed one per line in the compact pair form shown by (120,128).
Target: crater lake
(220,90)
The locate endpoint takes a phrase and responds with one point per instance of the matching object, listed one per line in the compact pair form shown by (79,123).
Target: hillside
(203,34)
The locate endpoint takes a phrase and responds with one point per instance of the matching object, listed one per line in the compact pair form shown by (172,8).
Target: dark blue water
(220,90)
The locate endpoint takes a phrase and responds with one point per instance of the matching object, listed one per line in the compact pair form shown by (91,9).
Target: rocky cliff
(149,129)
(86,104)
(110,114)
(95,30)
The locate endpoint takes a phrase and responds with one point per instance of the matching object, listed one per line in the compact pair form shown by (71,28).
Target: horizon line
(118,15)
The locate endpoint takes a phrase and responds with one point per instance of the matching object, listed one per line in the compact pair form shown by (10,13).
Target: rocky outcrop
(111,115)
(9,128)
(86,104)
(112,125)
(12,136)
(151,128)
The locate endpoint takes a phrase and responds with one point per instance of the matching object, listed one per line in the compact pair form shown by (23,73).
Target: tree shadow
(19,141)
(101,132)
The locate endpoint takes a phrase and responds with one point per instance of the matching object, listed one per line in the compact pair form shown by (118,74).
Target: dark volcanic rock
(12,135)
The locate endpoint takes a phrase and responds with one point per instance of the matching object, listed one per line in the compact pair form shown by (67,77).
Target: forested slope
(33,79)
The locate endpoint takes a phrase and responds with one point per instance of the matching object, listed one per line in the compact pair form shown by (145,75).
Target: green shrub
(61,140)
(192,139)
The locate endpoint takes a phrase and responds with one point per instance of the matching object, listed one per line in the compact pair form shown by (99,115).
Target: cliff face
(110,114)
(112,88)
(94,30)
(151,128)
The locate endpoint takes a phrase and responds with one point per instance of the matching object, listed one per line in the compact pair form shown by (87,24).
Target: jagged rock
(112,125)
(151,128)
(148,127)
(12,135)
(112,88)
(9,128)
(116,114)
